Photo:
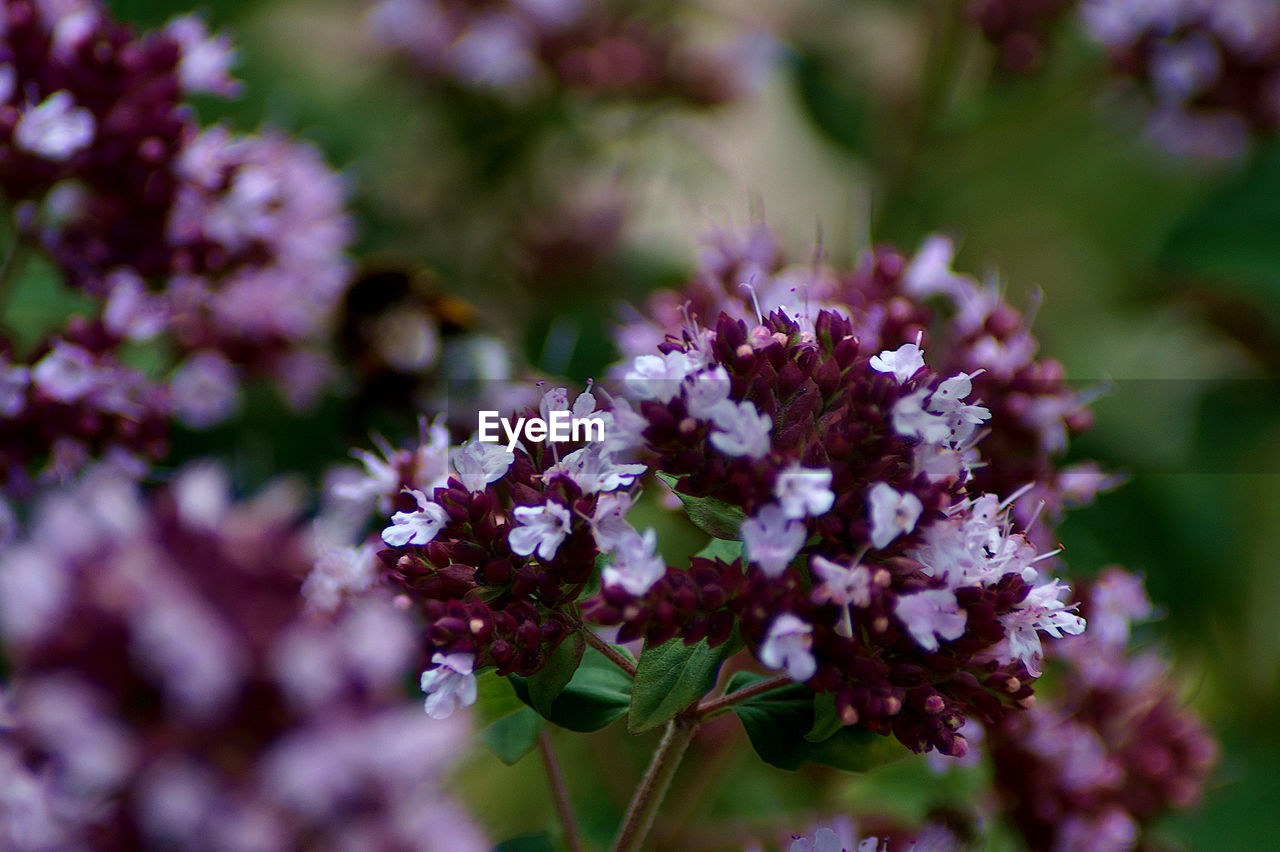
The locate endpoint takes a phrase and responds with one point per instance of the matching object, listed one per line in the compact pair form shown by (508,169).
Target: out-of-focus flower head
(1019,28)
(1112,748)
(228,247)
(1211,71)
(595,49)
(170,689)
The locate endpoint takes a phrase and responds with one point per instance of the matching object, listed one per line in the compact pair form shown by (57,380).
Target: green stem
(560,792)
(713,706)
(935,88)
(653,787)
(615,656)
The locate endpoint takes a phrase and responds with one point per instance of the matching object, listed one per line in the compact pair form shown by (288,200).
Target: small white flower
(66,374)
(892,514)
(902,362)
(930,270)
(450,685)
(585,404)
(543,528)
(658,377)
(841,585)
(771,539)
(741,430)
(55,129)
(704,392)
(555,399)
(418,527)
(13,388)
(478,464)
(804,491)
(636,565)
(623,428)
(911,420)
(931,615)
(608,524)
(593,471)
(206,60)
(338,572)
(206,389)
(1039,610)
(379,480)
(131,312)
(787,647)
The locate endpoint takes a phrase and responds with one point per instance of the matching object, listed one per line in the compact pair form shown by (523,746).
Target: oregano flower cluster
(595,49)
(226,247)
(142,631)
(857,553)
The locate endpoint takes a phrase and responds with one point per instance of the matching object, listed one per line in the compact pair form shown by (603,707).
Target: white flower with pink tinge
(542,529)
(804,491)
(787,647)
(892,513)
(450,685)
(931,615)
(902,362)
(479,464)
(418,527)
(771,539)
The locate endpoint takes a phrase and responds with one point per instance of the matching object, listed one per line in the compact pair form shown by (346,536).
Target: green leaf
(548,682)
(669,678)
(725,551)
(837,107)
(598,694)
(826,720)
(776,723)
(716,518)
(1231,236)
(495,699)
(512,737)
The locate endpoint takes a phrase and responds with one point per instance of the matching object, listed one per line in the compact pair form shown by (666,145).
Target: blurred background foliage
(1158,281)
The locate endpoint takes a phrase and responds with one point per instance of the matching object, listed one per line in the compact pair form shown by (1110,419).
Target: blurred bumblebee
(411,347)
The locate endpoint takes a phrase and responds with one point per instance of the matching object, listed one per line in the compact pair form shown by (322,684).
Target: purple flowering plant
(792,569)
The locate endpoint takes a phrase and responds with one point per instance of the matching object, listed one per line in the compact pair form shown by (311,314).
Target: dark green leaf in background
(547,684)
(513,737)
(715,517)
(777,721)
(598,694)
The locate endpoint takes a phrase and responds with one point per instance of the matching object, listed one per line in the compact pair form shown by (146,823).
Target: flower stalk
(560,793)
(653,786)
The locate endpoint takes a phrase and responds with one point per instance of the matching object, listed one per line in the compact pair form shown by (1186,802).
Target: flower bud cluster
(496,549)
(888,298)
(595,49)
(170,690)
(1211,70)
(228,246)
(75,401)
(874,567)
(1112,749)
